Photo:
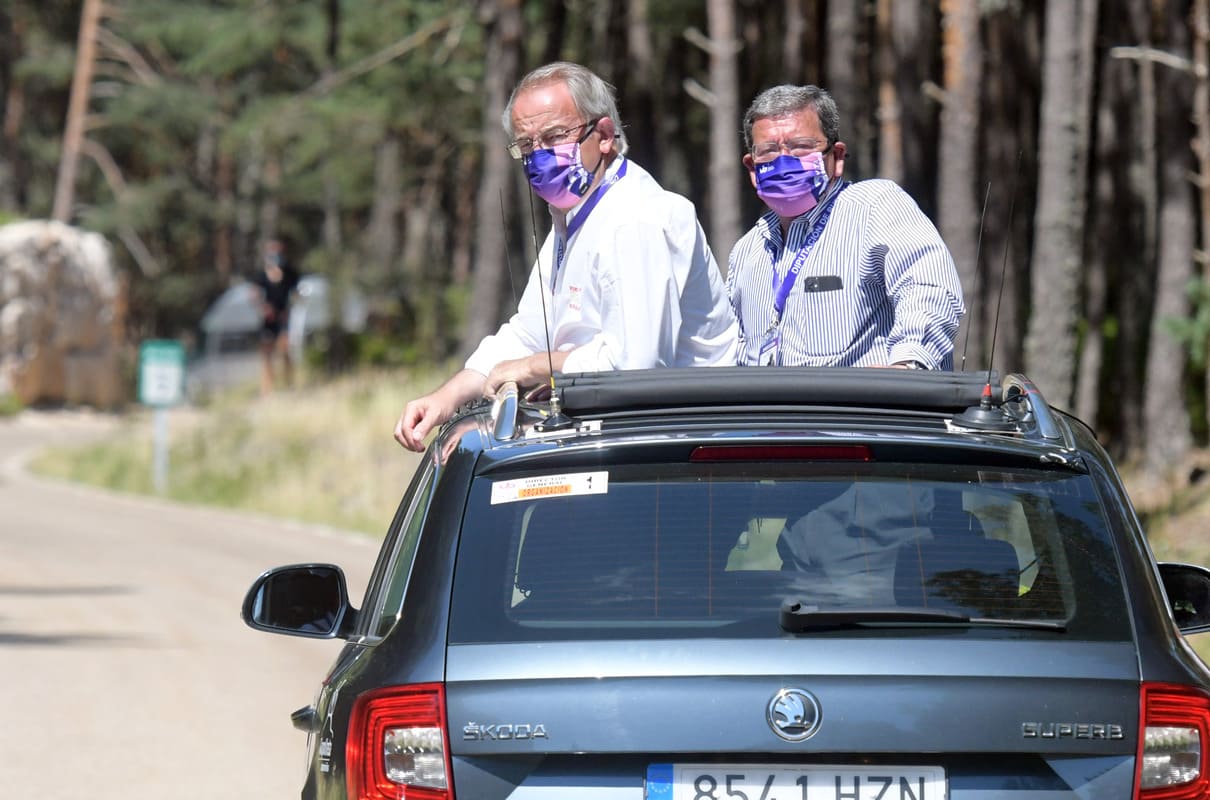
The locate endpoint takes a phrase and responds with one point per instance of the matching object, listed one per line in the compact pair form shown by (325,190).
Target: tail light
(397,746)
(1174,738)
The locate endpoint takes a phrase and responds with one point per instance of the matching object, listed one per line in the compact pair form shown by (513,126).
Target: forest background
(1062,149)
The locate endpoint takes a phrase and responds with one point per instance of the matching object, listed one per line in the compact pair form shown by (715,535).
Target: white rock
(60,331)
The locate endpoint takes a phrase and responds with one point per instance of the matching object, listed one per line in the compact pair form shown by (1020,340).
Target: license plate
(779,782)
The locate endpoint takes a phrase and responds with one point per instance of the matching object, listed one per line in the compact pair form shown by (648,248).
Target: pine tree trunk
(420,288)
(791,41)
(269,213)
(1138,280)
(77,110)
(1201,118)
(382,232)
(1050,344)
(1087,386)
(1101,248)
(959,203)
(639,86)
(503,32)
(214,172)
(841,79)
(224,188)
(1010,134)
(725,173)
(333,238)
(913,43)
(890,122)
(247,186)
(12,93)
(1165,417)
(847,80)
(1109,242)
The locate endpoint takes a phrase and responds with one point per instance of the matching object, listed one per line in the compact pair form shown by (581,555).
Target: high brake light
(781,452)
(397,747)
(1174,736)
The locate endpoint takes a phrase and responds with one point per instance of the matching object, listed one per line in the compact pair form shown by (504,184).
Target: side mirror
(301,600)
(1188,589)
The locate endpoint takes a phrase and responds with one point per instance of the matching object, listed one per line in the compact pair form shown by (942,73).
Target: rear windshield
(693,550)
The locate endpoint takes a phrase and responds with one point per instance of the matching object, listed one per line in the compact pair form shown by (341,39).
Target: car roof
(797,387)
(981,409)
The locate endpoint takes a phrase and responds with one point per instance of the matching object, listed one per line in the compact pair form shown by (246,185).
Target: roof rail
(1019,388)
(504,412)
(682,387)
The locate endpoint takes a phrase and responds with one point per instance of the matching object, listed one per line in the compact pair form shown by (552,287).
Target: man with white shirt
(625,274)
(835,273)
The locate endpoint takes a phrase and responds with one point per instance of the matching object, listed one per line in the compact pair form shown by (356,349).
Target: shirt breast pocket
(820,318)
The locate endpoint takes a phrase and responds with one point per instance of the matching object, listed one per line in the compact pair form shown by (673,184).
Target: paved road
(125,670)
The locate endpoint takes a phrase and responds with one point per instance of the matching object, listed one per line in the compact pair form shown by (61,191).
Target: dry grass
(324,454)
(321,454)
(1176,512)
(1176,516)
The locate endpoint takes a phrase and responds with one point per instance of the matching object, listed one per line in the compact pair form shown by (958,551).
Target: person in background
(835,273)
(274,284)
(625,274)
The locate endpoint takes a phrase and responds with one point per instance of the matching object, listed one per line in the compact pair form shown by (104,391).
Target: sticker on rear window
(574,483)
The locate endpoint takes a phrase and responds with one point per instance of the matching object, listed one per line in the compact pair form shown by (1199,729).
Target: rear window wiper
(797,617)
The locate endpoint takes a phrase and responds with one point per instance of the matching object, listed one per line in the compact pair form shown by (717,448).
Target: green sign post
(161,373)
(161,386)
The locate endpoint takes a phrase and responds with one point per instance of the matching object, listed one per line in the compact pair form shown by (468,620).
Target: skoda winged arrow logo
(794,714)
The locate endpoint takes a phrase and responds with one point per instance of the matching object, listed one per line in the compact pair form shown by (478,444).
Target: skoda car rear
(745,584)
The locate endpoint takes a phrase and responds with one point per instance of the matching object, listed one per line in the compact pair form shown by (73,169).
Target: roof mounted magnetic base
(984,418)
(557,420)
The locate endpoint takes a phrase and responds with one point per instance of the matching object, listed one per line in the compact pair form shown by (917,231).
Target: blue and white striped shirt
(898,298)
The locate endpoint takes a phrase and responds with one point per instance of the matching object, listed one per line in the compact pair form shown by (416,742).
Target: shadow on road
(68,640)
(62,591)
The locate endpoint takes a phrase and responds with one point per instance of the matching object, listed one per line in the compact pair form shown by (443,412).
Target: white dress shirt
(638,288)
(878,287)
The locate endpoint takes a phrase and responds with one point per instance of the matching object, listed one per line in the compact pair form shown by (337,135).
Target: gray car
(759,584)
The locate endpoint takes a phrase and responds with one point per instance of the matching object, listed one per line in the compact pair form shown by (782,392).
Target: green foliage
(358,129)
(234,111)
(1194,331)
(48,62)
(10,405)
(230,120)
(380,350)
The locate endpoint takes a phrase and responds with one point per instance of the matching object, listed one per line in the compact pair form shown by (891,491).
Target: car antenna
(556,419)
(978,249)
(508,259)
(984,416)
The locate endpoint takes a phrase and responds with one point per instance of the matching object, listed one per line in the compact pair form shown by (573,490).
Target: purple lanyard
(787,283)
(581,218)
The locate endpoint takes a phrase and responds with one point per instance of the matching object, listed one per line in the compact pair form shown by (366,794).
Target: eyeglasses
(767,151)
(549,138)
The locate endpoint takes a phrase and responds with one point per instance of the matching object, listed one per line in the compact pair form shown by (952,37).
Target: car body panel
(612,697)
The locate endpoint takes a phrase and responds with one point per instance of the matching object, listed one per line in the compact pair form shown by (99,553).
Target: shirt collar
(562,218)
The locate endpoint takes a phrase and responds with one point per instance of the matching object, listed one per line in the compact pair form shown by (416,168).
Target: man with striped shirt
(835,273)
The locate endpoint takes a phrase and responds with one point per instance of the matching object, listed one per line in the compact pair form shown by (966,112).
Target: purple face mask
(558,175)
(791,186)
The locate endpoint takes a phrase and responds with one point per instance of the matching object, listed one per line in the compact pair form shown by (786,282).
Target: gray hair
(788,99)
(594,98)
